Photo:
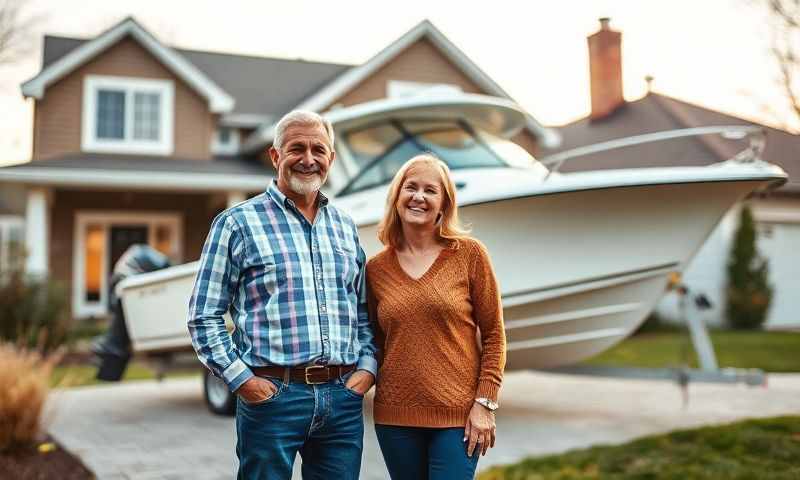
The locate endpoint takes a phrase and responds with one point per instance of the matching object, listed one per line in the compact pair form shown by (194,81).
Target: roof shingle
(655,113)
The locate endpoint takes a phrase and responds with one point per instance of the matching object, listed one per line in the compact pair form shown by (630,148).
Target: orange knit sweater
(431,366)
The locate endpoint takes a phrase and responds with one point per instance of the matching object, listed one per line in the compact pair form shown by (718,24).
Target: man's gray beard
(301,187)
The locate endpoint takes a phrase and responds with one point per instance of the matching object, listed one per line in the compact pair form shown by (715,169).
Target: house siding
(57,116)
(197,211)
(421,62)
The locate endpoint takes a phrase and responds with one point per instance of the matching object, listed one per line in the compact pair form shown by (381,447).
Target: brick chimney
(605,70)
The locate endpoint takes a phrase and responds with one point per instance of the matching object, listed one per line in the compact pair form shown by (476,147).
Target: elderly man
(290,268)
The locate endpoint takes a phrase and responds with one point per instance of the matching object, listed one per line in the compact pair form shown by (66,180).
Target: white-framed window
(12,242)
(401,88)
(101,237)
(127,115)
(225,141)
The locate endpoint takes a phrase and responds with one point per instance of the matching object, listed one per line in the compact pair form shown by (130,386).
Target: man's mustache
(302,169)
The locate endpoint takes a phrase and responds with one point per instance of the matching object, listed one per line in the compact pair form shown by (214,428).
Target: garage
(780,243)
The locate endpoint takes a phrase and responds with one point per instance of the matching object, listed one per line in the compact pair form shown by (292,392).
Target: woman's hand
(480,429)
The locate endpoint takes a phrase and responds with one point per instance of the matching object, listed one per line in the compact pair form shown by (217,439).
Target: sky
(712,53)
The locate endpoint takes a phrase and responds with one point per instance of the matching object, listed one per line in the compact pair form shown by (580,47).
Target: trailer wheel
(218,397)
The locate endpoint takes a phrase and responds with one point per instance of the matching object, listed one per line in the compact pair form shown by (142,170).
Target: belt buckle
(315,367)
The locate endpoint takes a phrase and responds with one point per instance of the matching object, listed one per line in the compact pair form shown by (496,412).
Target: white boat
(581,258)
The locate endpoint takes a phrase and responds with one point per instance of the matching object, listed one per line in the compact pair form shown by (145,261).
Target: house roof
(656,112)
(290,81)
(219,100)
(150,172)
(252,102)
(347,80)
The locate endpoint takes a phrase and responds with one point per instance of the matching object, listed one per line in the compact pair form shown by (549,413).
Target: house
(777,214)
(135,141)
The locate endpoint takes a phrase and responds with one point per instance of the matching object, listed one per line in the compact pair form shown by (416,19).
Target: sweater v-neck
(430,271)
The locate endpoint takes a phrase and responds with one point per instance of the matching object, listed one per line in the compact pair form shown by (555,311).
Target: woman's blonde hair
(390,230)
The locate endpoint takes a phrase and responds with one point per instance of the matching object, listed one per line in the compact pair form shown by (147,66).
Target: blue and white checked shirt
(296,291)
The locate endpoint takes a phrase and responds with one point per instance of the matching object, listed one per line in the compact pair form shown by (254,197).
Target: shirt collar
(278,197)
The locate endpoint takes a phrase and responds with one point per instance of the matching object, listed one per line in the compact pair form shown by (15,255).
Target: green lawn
(766,449)
(769,351)
(79,375)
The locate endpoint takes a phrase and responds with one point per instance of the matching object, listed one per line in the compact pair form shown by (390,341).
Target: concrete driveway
(151,430)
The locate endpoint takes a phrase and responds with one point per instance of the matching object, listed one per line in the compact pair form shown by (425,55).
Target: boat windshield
(381,149)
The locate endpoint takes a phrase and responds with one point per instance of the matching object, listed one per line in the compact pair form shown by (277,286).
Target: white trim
(245,120)
(219,101)
(324,97)
(402,88)
(166,90)
(148,180)
(37,236)
(106,219)
(230,148)
(7,223)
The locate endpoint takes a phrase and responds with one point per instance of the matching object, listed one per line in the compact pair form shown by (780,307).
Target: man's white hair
(300,117)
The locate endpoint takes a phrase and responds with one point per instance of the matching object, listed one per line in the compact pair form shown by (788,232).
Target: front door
(100,240)
(122,237)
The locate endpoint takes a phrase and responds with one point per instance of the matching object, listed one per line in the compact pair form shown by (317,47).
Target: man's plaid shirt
(296,291)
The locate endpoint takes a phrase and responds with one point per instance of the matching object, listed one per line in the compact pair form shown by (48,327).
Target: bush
(33,310)
(749,292)
(24,385)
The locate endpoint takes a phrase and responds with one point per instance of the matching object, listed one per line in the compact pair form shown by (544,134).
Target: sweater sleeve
(488,313)
(380,337)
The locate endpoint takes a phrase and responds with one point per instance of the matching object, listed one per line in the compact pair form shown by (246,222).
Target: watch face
(488,404)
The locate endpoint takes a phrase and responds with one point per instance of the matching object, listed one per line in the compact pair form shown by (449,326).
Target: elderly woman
(434,298)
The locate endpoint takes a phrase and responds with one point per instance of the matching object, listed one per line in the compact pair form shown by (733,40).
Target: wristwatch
(488,404)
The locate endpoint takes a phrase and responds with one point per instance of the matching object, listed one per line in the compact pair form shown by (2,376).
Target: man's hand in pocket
(256,389)
(360,381)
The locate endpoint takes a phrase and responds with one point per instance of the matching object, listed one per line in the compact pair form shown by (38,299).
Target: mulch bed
(29,463)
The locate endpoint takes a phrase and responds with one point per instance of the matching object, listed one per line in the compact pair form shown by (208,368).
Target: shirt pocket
(345,268)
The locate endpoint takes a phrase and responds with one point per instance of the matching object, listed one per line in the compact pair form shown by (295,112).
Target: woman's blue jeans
(324,423)
(426,453)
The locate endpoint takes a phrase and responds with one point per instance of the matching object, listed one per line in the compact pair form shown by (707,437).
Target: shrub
(749,293)
(24,385)
(33,310)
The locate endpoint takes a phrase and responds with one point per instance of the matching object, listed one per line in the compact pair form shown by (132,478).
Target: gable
(218,100)
(341,89)
(421,62)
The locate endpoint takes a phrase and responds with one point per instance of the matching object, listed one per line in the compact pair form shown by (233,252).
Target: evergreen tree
(749,292)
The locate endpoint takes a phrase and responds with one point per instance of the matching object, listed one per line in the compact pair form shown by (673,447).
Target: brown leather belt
(311,375)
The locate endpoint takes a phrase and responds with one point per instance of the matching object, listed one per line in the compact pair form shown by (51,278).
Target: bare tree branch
(785,19)
(16,31)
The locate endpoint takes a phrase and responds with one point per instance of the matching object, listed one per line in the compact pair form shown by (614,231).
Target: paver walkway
(149,430)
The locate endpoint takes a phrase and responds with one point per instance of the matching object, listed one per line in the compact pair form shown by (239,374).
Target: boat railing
(755,134)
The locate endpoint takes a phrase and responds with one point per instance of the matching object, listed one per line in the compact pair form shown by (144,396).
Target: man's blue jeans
(324,423)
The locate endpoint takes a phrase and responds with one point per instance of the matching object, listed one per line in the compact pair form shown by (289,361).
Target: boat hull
(579,271)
